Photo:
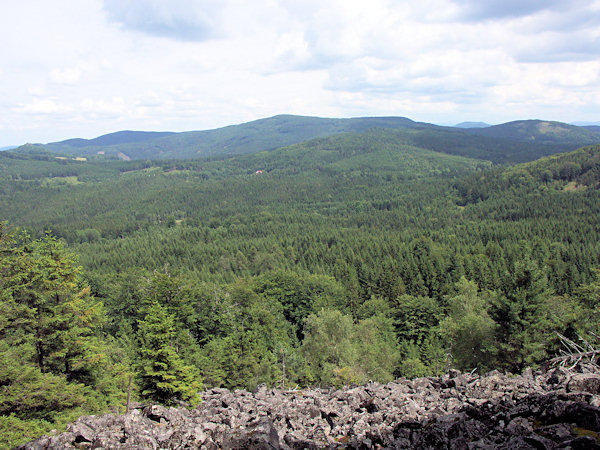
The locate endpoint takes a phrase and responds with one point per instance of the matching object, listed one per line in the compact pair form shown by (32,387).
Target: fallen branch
(575,353)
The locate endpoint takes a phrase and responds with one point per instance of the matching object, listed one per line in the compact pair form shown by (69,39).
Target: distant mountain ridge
(120,137)
(472,125)
(539,137)
(541,131)
(258,135)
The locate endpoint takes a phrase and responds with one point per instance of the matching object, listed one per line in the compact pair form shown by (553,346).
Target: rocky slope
(556,409)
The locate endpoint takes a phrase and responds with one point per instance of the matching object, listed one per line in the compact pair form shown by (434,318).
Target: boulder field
(536,410)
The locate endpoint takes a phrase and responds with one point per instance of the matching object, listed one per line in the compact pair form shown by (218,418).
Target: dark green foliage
(252,332)
(54,361)
(415,317)
(164,377)
(300,295)
(45,309)
(521,313)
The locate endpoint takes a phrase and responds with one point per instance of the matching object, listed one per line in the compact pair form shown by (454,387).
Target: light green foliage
(328,345)
(29,393)
(411,364)
(377,348)
(15,431)
(468,330)
(338,352)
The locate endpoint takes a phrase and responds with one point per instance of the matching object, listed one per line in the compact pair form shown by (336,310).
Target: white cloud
(66,76)
(115,106)
(101,65)
(44,106)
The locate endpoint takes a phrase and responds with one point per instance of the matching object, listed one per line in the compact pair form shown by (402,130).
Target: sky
(83,68)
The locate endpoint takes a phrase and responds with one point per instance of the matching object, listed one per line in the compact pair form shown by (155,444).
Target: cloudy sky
(82,68)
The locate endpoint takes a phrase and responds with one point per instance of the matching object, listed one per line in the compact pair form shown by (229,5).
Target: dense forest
(360,256)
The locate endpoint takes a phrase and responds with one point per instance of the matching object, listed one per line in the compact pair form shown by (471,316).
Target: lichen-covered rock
(460,411)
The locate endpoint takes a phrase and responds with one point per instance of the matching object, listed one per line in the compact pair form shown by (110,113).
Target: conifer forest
(366,254)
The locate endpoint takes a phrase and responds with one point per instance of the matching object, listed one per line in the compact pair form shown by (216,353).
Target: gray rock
(454,411)
(584,382)
(259,435)
(82,432)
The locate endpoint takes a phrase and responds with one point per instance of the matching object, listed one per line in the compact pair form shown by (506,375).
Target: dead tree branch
(574,354)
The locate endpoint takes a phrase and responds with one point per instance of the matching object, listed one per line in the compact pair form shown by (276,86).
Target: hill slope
(541,131)
(363,231)
(258,135)
(120,137)
(593,128)
(513,142)
(376,151)
(41,189)
(574,171)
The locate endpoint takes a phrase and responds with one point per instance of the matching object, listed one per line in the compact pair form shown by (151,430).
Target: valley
(411,246)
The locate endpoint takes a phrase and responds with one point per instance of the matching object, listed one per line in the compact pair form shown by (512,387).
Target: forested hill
(575,171)
(259,135)
(232,272)
(541,131)
(512,142)
(120,137)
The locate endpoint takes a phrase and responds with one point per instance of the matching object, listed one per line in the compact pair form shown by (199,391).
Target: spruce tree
(522,317)
(164,377)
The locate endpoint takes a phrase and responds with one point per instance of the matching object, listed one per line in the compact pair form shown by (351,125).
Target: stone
(456,411)
(584,382)
(260,435)
(557,376)
(82,432)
